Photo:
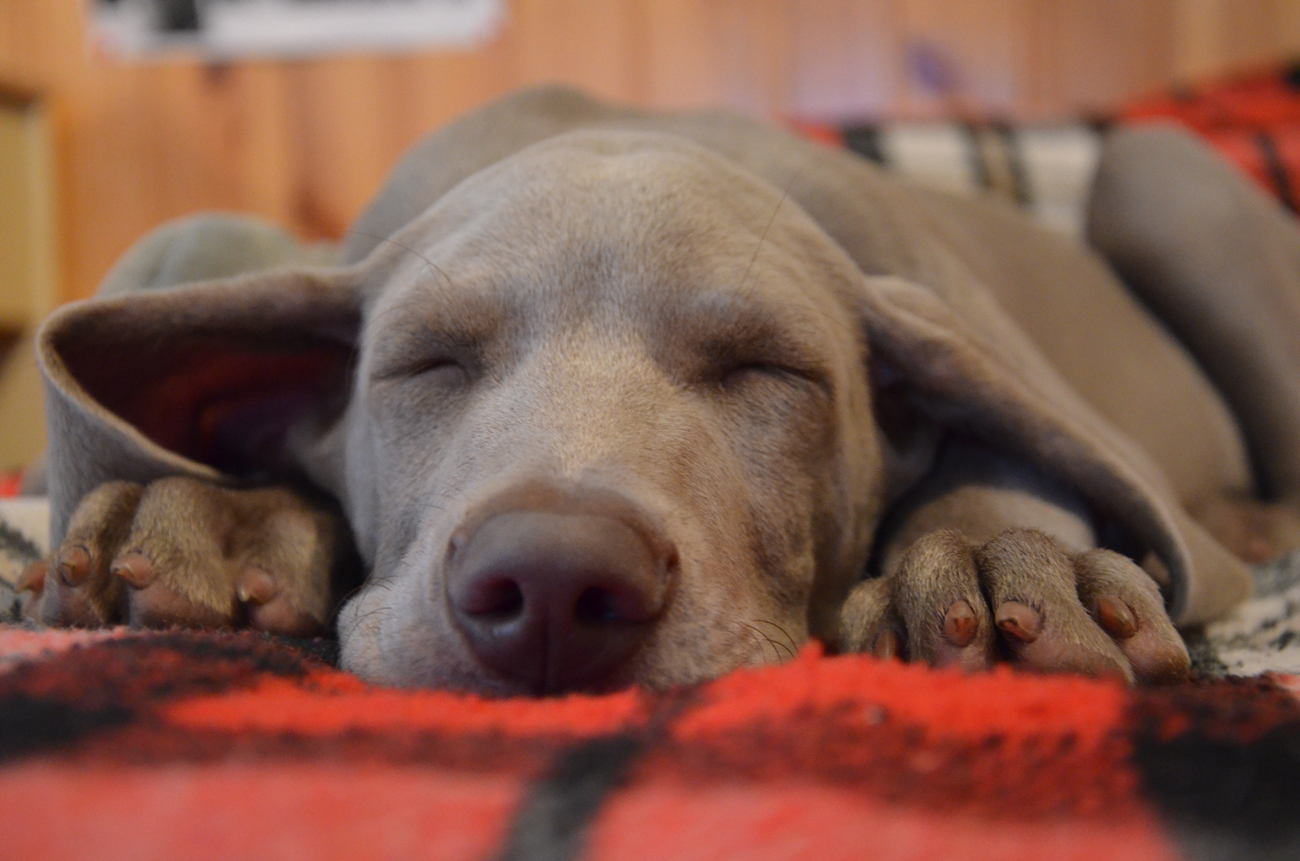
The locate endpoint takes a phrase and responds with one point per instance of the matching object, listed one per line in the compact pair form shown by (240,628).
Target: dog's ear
(999,388)
(205,380)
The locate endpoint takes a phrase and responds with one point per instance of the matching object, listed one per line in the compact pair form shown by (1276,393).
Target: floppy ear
(203,380)
(1004,392)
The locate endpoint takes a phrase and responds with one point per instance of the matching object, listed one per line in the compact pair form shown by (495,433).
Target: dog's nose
(553,601)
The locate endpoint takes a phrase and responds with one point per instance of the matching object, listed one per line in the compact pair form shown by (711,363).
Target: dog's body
(608,397)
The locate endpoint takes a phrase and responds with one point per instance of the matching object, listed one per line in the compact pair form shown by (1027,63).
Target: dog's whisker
(357,621)
(366,617)
(793,647)
(759,637)
(349,595)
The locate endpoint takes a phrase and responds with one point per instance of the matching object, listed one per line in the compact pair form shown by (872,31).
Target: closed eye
(739,376)
(409,345)
(737,373)
(446,370)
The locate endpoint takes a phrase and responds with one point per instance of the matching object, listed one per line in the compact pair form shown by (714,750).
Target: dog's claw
(137,570)
(1019,621)
(887,646)
(256,586)
(33,577)
(960,624)
(73,566)
(1116,617)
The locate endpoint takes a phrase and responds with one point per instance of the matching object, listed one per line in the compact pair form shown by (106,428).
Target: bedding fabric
(131,745)
(188,745)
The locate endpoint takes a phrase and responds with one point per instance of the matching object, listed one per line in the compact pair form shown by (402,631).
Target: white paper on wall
(229,29)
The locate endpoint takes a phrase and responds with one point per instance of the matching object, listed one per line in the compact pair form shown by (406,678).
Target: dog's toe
(867,616)
(289,563)
(270,606)
(931,609)
(74,586)
(937,589)
(135,569)
(158,605)
(207,556)
(1126,604)
(1031,582)
(73,593)
(173,563)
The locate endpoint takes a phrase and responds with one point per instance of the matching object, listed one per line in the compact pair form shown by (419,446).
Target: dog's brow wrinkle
(435,267)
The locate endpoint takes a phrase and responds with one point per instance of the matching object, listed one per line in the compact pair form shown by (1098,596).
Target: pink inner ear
(226,405)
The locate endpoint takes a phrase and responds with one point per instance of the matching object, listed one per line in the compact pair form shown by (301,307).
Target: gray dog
(604,397)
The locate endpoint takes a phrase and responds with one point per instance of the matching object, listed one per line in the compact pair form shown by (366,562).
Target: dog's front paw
(1019,598)
(185,552)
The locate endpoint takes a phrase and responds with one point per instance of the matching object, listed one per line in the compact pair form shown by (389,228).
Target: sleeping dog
(596,397)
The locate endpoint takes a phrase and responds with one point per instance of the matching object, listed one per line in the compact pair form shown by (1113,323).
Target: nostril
(495,599)
(596,606)
(614,603)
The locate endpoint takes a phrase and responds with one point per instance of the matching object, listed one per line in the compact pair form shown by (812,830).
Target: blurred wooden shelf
(28,283)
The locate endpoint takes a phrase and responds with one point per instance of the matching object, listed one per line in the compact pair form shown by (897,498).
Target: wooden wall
(307,143)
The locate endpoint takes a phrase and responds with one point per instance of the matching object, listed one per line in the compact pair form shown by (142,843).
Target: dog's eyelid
(788,369)
(769,353)
(406,363)
(421,367)
(408,353)
(779,371)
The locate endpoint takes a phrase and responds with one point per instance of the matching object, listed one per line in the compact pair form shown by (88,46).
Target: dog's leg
(1219,262)
(185,552)
(990,560)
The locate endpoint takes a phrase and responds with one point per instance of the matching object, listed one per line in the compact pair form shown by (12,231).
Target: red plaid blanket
(187,745)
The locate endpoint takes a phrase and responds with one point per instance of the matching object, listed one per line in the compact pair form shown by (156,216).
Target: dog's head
(612,410)
(610,422)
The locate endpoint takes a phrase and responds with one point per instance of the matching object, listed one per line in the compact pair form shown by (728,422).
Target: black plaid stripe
(1221,763)
(552,822)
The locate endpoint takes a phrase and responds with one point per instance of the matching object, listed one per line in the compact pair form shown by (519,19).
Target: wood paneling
(307,143)
(1214,34)
(27,275)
